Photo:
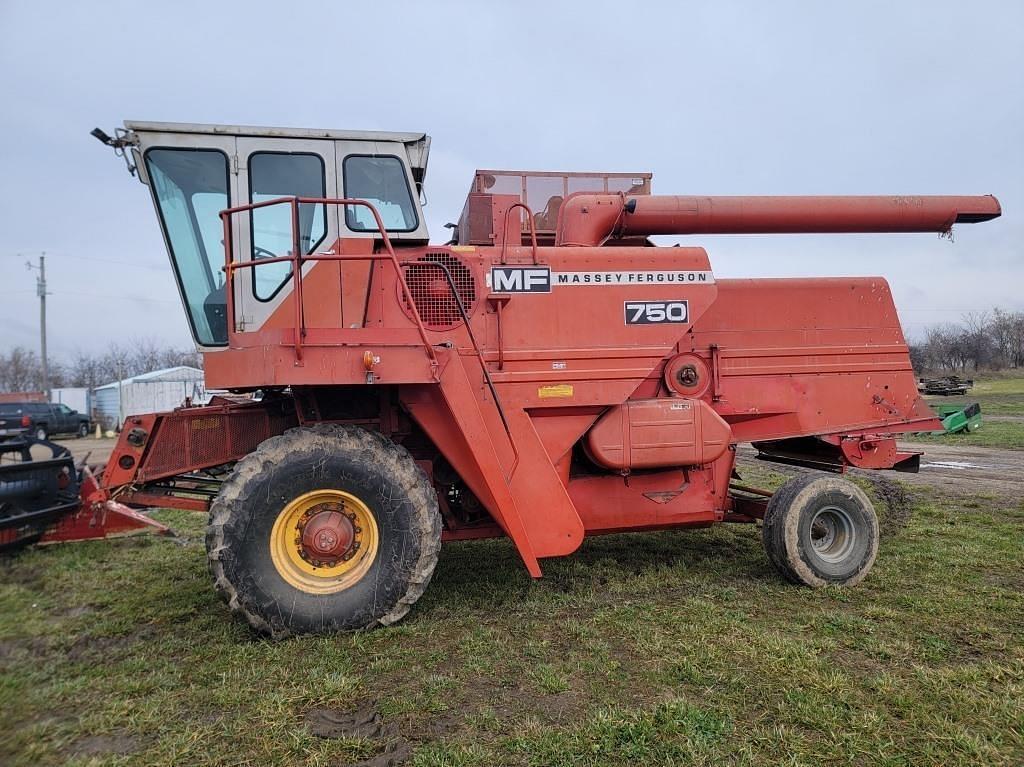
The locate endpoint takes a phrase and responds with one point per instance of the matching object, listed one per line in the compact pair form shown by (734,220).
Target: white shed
(153,392)
(75,397)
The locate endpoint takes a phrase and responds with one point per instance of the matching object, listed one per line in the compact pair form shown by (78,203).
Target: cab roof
(417,145)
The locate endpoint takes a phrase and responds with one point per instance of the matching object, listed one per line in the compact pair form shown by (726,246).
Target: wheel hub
(326,535)
(324,541)
(833,534)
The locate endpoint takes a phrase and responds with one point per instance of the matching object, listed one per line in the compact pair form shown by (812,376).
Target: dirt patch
(897,506)
(967,471)
(97,450)
(13,648)
(88,646)
(364,723)
(75,612)
(558,708)
(106,745)
(959,470)
(1005,418)
(19,576)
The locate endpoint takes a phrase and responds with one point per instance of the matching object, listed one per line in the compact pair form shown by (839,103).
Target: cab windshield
(191,188)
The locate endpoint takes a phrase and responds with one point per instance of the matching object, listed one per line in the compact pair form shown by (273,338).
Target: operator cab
(196,171)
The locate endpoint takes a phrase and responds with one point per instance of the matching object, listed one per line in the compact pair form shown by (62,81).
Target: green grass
(669,648)
(998,396)
(1004,434)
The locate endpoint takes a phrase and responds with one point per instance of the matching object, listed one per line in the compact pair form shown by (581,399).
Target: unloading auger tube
(591,219)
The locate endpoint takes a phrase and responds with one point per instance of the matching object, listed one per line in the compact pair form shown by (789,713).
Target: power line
(135,264)
(123,297)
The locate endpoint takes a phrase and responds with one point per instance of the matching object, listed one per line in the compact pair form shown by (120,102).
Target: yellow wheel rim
(324,541)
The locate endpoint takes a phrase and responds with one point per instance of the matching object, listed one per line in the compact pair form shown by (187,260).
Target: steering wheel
(258,252)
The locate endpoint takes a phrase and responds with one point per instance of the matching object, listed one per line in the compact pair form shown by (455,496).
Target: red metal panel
(652,500)
(104,520)
(809,356)
(657,433)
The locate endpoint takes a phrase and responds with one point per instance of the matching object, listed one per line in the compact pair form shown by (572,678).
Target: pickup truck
(41,419)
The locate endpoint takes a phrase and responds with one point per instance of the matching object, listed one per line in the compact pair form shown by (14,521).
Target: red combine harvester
(544,376)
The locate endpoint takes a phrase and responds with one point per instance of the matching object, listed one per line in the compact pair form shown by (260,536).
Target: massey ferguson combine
(545,376)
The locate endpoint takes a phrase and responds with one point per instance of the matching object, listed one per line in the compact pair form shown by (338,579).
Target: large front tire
(324,529)
(821,531)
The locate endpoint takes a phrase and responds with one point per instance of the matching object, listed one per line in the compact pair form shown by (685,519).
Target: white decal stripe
(684,277)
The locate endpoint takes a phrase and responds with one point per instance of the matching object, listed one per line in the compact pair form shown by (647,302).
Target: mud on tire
(820,531)
(366,465)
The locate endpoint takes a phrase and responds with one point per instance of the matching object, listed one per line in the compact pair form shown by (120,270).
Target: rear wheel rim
(324,541)
(833,534)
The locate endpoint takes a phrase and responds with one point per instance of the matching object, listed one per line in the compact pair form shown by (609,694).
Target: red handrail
(298,257)
(533,230)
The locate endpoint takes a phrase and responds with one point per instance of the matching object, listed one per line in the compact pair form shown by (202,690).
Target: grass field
(669,648)
(1001,397)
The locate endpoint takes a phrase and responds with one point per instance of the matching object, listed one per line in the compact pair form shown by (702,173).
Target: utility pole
(41,292)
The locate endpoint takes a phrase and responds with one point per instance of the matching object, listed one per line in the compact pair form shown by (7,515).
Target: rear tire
(265,516)
(83,430)
(821,531)
(40,433)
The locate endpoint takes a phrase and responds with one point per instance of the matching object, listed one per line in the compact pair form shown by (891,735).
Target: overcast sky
(714,98)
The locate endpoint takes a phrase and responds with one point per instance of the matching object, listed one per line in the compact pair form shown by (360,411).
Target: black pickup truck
(41,420)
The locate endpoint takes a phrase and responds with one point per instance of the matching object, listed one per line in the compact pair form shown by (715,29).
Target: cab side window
(381,180)
(280,174)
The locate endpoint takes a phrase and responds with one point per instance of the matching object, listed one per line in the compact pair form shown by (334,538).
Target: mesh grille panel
(187,441)
(432,294)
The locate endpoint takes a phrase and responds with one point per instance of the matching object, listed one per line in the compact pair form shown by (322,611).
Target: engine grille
(432,294)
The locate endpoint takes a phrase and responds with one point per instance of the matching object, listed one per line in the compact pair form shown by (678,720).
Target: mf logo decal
(521,279)
(655,312)
(540,279)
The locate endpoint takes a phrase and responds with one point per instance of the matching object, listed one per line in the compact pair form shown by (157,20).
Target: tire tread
(371,449)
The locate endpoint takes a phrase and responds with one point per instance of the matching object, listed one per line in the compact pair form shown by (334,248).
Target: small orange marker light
(369,360)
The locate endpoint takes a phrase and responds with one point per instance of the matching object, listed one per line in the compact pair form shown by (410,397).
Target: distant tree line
(21,369)
(982,340)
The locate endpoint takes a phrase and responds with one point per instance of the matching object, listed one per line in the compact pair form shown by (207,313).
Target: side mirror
(99,134)
(122,139)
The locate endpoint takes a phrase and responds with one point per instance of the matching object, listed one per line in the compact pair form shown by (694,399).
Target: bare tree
(20,370)
(992,340)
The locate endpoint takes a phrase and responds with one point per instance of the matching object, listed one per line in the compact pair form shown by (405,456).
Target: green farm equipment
(957,419)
